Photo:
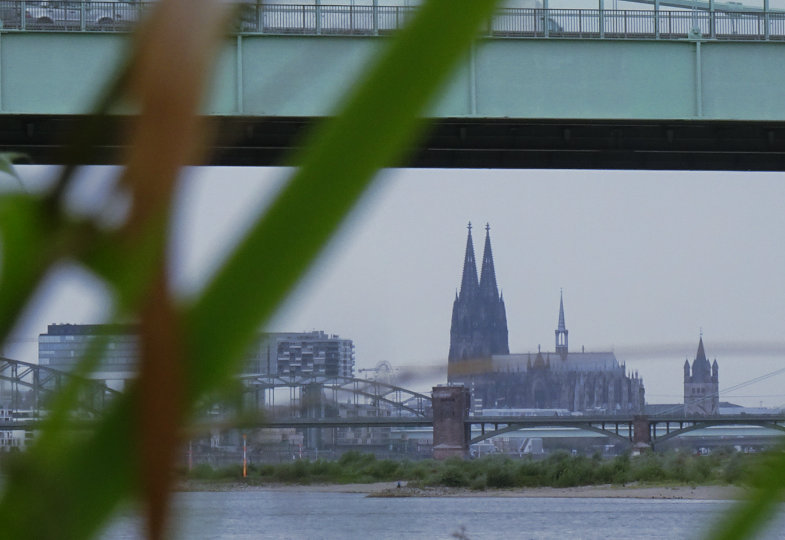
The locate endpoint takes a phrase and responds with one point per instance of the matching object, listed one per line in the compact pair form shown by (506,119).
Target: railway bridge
(446,409)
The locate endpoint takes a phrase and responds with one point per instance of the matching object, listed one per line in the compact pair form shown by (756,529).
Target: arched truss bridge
(619,428)
(28,386)
(658,424)
(388,398)
(622,427)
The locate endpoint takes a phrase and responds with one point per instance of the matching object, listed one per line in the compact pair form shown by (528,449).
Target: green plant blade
(7,160)
(372,131)
(26,251)
(750,515)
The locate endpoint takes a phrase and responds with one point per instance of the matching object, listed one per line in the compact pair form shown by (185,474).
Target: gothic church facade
(701,385)
(480,359)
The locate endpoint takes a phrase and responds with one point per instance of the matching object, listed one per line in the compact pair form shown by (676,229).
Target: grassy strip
(557,470)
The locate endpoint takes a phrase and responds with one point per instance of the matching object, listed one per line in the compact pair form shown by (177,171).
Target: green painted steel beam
(305,76)
(564,103)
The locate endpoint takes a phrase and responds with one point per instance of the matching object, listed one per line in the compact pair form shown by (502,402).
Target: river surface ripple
(245,515)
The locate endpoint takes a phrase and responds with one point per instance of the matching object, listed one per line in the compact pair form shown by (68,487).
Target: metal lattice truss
(33,386)
(620,430)
(622,427)
(384,396)
(774,423)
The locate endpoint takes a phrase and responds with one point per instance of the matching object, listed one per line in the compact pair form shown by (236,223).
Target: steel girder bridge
(596,89)
(625,428)
(685,425)
(32,387)
(385,398)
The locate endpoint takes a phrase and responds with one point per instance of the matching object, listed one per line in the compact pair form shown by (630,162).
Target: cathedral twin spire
(469,284)
(486,286)
(479,319)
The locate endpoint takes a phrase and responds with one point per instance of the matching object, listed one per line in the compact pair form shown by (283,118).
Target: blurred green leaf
(67,490)
(372,130)
(27,248)
(7,160)
(749,516)
(375,126)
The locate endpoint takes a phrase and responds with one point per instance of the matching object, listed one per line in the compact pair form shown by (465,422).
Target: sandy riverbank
(718,493)
(390,489)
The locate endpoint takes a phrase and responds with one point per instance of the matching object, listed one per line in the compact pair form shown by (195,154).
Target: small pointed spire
(562,326)
(488,287)
(562,345)
(469,283)
(701,369)
(701,355)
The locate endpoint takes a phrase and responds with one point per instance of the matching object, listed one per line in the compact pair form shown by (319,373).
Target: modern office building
(64,345)
(284,354)
(301,354)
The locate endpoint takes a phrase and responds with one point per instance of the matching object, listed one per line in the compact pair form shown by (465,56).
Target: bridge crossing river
(446,410)
(541,88)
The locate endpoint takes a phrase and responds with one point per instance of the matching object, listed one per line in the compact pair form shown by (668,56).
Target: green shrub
(699,470)
(383,470)
(648,468)
(296,472)
(453,476)
(500,475)
(529,474)
(202,471)
(266,470)
(229,472)
(737,470)
(479,483)
(579,471)
(356,459)
(620,469)
(676,466)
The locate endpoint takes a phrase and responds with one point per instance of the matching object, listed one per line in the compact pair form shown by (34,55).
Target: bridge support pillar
(450,432)
(641,433)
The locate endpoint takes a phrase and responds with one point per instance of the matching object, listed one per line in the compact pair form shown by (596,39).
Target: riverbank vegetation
(556,470)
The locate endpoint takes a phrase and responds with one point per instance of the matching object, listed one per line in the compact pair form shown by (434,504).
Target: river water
(242,515)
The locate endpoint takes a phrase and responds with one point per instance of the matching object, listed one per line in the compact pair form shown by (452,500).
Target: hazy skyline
(645,259)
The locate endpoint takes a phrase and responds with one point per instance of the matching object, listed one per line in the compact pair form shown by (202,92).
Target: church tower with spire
(479,319)
(562,379)
(701,386)
(561,331)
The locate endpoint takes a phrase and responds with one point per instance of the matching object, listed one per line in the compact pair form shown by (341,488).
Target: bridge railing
(522,22)
(317,19)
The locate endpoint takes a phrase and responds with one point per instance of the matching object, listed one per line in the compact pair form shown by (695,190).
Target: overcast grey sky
(646,259)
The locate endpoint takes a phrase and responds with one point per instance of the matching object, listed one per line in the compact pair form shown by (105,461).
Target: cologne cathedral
(480,358)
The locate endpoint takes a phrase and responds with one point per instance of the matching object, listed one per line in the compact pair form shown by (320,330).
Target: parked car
(10,14)
(68,15)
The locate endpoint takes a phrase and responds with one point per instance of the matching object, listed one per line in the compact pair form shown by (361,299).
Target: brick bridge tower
(451,435)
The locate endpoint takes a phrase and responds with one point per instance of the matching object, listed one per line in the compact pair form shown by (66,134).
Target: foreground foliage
(68,486)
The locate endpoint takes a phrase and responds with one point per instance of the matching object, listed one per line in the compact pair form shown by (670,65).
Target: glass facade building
(284,354)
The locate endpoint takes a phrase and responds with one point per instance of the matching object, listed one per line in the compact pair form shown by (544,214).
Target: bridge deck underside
(456,142)
(513,103)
